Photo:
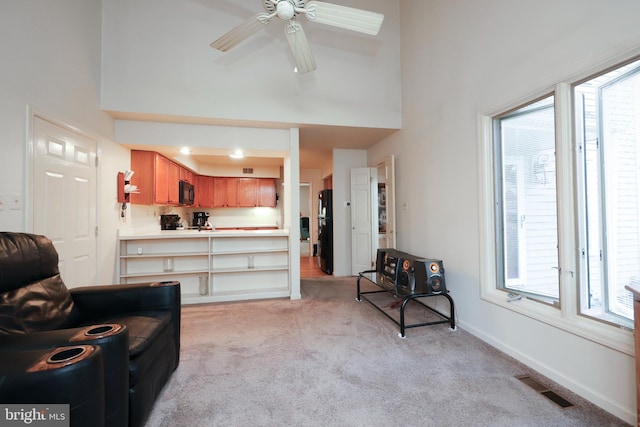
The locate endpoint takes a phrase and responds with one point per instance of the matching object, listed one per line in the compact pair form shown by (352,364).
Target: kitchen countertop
(129,234)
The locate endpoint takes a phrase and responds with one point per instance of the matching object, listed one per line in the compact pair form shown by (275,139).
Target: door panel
(64,198)
(361,220)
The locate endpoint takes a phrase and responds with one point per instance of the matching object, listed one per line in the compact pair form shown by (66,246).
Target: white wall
(463,58)
(343,162)
(51,62)
(157,59)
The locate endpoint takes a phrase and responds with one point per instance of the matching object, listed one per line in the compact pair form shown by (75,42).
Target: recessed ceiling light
(238,154)
(185,150)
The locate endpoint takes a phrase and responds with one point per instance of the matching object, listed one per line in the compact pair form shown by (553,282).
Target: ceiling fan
(317,11)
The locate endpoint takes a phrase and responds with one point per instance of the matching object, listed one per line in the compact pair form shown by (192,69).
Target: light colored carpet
(328,360)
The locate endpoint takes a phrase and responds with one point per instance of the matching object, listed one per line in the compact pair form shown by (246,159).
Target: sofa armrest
(113,342)
(97,302)
(63,375)
(102,302)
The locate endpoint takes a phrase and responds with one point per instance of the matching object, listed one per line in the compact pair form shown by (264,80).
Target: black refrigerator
(325,231)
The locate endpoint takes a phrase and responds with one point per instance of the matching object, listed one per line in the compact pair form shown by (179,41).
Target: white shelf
(238,266)
(249,252)
(164,273)
(166,255)
(248,270)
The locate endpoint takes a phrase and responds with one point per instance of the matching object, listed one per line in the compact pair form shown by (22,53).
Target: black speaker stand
(370,276)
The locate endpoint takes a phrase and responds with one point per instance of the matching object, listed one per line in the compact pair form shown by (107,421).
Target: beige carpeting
(328,360)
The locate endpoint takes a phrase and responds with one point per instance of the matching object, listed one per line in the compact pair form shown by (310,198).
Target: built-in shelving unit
(212,267)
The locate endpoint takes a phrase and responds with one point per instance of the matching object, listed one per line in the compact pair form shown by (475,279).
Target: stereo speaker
(421,276)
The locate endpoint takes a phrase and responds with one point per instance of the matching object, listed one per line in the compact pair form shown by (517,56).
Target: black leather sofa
(129,334)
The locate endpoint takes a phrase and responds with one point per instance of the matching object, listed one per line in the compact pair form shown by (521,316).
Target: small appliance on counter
(200,219)
(170,222)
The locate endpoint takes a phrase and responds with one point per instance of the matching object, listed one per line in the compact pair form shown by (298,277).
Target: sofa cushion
(144,328)
(40,306)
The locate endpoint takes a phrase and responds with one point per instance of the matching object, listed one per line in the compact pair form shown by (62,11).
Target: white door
(64,198)
(361,220)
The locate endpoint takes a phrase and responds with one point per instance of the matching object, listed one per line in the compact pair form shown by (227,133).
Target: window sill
(618,338)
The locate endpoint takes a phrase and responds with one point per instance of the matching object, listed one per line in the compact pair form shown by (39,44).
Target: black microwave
(186,193)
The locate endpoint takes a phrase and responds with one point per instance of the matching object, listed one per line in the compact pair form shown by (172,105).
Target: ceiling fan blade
(345,17)
(300,47)
(241,32)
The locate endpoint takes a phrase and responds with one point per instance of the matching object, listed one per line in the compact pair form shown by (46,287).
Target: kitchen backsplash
(147,217)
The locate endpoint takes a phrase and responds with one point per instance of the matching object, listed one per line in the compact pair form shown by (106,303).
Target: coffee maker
(200,219)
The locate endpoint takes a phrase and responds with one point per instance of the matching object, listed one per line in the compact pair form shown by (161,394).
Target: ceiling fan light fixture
(285,10)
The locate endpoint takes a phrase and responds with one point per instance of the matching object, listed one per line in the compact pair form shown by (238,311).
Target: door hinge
(97,161)
(96,231)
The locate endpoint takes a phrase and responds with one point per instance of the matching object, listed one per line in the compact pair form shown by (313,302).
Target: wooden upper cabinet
(156,177)
(143,164)
(247,192)
(267,192)
(232,192)
(162,180)
(187,175)
(173,183)
(204,191)
(219,192)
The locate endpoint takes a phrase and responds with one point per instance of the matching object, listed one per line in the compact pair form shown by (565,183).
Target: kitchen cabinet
(254,192)
(233,265)
(187,175)
(204,191)
(247,192)
(267,192)
(157,179)
(225,192)
(167,181)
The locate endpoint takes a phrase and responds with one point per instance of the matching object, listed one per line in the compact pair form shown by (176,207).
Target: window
(608,163)
(526,211)
(561,206)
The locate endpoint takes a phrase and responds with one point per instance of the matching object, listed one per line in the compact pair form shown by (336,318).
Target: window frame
(499,160)
(565,315)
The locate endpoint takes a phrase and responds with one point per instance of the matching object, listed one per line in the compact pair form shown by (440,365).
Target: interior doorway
(306,240)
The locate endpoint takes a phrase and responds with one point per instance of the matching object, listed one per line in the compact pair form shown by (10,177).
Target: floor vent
(543,390)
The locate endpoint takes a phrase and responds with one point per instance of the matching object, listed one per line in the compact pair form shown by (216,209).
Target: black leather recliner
(36,379)
(132,333)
